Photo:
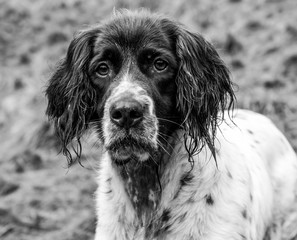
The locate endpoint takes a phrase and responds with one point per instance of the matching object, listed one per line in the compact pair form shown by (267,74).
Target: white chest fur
(235,199)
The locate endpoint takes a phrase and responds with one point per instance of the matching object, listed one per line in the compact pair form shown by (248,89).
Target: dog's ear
(204,89)
(70,94)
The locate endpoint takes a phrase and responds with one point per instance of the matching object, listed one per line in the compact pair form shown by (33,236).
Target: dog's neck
(142,185)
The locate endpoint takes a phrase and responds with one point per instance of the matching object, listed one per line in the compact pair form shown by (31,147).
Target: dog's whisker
(162,147)
(152,158)
(170,121)
(166,141)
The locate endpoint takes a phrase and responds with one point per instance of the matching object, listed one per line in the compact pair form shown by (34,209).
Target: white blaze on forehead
(130,88)
(143,156)
(127,86)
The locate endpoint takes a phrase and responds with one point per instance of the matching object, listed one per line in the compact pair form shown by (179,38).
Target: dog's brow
(154,52)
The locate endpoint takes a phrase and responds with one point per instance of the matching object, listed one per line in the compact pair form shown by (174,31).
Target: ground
(40,198)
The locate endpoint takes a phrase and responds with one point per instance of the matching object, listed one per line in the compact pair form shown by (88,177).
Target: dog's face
(137,78)
(133,71)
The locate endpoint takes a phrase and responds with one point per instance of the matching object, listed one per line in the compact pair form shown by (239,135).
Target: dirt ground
(40,198)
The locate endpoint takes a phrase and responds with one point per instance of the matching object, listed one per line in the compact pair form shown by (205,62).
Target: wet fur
(193,173)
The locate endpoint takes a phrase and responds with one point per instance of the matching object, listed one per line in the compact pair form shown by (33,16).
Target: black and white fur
(176,164)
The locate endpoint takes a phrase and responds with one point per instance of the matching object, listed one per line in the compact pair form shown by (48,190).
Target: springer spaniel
(178,163)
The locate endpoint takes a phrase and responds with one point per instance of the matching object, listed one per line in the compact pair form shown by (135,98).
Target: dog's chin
(123,151)
(122,157)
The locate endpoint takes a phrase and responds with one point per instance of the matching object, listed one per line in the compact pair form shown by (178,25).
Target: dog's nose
(126,114)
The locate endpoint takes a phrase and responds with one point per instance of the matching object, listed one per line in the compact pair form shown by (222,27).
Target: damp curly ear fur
(178,161)
(204,89)
(71,98)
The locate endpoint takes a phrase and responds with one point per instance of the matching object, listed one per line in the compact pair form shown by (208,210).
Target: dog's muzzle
(131,127)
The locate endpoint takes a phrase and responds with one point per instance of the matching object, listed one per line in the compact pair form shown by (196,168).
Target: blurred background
(40,198)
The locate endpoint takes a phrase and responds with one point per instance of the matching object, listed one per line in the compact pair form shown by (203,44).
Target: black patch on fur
(166,228)
(217,151)
(182,217)
(186,179)
(165,215)
(149,231)
(158,228)
(191,199)
(209,199)
(269,230)
(229,174)
(250,132)
(242,236)
(244,214)
(251,197)
(176,194)
(161,231)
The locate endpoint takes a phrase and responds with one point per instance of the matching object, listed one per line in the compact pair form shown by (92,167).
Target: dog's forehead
(136,32)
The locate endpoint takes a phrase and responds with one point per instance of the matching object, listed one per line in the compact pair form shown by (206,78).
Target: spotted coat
(250,187)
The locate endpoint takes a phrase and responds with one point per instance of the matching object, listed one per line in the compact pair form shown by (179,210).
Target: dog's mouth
(128,148)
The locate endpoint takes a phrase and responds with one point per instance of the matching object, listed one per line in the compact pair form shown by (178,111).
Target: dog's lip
(122,151)
(129,144)
(121,156)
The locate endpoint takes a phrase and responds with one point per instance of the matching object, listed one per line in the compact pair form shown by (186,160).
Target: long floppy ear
(204,89)
(70,94)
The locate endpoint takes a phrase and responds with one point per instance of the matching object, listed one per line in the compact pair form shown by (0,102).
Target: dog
(178,161)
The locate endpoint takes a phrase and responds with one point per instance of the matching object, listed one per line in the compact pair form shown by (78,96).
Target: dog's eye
(103,69)
(160,64)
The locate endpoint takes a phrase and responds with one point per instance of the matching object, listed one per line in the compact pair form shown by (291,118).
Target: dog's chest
(131,205)
(143,189)
(192,205)
(133,211)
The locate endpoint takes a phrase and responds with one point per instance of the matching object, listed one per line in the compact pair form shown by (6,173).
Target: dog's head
(138,77)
